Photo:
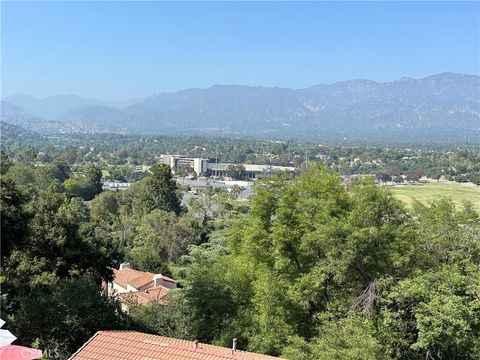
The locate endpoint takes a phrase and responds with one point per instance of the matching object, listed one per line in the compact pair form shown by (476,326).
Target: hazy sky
(119,50)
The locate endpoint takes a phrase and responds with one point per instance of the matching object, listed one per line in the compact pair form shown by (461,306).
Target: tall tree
(13,215)
(60,318)
(320,271)
(61,244)
(5,162)
(160,190)
(94,177)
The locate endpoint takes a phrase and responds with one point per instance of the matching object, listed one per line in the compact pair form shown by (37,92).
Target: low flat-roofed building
(132,345)
(114,186)
(252,171)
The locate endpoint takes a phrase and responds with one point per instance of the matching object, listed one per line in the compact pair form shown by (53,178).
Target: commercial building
(177,162)
(210,167)
(251,171)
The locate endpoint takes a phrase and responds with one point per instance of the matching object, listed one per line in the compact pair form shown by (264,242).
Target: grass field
(428,192)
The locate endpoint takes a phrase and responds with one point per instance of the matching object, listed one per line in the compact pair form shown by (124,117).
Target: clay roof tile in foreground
(131,345)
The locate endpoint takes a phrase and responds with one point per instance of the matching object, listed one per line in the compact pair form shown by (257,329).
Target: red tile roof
(131,276)
(142,297)
(144,281)
(140,280)
(131,345)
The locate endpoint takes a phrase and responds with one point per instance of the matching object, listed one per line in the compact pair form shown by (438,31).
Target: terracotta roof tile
(126,276)
(143,281)
(143,286)
(143,297)
(138,279)
(130,345)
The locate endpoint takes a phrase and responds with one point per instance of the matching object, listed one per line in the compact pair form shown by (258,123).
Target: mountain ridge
(441,101)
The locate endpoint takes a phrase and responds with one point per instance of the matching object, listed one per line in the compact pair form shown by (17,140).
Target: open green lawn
(431,191)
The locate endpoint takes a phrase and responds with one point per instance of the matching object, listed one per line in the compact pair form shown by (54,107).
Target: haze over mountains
(439,103)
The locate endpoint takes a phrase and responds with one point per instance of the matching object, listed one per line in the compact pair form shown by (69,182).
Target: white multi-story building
(198,165)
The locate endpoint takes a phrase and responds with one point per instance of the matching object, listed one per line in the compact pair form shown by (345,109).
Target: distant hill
(96,118)
(13,134)
(437,104)
(54,107)
(82,120)
(14,115)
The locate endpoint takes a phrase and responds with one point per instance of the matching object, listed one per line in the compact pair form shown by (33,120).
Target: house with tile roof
(135,287)
(132,345)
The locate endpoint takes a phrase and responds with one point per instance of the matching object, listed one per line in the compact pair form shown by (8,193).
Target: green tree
(352,338)
(23,175)
(61,244)
(318,271)
(79,187)
(5,162)
(94,177)
(172,319)
(160,191)
(27,155)
(46,174)
(13,215)
(160,238)
(105,207)
(60,318)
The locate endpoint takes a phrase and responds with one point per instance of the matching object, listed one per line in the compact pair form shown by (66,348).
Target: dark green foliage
(61,318)
(94,176)
(352,338)
(57,171)
(173,320)
(318,271)
(27,155)
(61,244)
(13,216)
(159,192)
(160,238)
(23,175)
(105,207)
(236,172)
(87,185)
(80,187)
(54,260)
(5,163)
(308,268)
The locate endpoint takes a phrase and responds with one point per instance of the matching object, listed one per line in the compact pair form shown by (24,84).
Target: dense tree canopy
(319,271)
(308,268)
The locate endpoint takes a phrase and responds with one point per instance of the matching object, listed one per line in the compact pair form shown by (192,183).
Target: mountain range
(439,103)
